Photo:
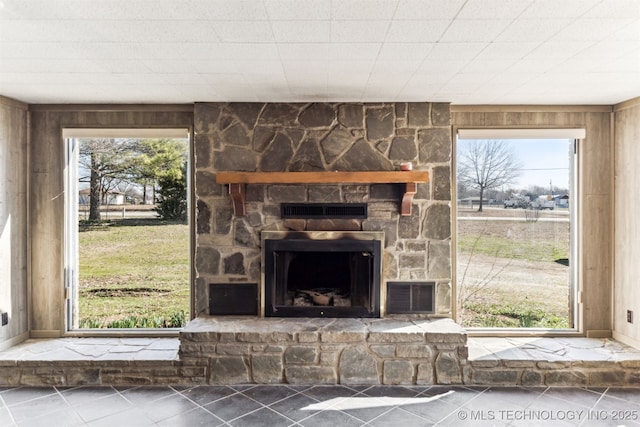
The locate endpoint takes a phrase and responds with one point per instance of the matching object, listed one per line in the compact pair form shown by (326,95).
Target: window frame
(70,220)
(578,136)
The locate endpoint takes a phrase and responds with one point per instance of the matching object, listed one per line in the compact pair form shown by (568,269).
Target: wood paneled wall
(13,220)
(596,192)
(627,221)
(46,216)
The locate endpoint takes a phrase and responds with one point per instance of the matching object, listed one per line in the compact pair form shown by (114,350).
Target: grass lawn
(132,270)
(513,273)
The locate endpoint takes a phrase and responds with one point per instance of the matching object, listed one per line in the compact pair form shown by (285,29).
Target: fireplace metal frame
(311,242)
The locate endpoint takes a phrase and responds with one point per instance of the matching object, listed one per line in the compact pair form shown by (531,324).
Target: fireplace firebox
(322,274)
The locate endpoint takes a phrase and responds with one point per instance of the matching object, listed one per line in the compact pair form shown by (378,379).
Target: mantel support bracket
(410,190)
(237,192)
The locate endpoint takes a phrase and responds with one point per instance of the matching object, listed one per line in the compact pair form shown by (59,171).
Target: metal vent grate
(324,210)
(411,297)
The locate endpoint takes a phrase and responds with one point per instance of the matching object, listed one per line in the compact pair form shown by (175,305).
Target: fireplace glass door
(322,278)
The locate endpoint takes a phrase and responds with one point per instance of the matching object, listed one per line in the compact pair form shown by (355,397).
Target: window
(515,222)
(127,239)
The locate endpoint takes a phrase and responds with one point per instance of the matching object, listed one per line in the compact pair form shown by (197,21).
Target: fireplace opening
(322,277)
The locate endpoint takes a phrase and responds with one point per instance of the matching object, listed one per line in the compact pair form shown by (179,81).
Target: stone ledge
(556,362)
(283,330)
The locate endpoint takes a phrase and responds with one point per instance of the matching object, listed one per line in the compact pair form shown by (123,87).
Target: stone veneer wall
(271,137)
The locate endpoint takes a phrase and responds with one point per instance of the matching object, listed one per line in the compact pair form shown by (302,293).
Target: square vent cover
(233,299)
(410,297)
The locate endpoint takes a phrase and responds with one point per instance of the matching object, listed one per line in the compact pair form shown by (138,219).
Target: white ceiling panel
(592,29)
(353,51)
(493,9)
(301,31)
(298,10)
(363,10)
(555,9)
(358,31)
(428,10)
(616,9)
(498,51)
(532,30)
(242,31)
(557,50)
(417,31)
(475,30)
(458,51)
(404,51)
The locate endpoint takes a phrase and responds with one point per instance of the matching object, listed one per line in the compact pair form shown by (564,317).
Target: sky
(544,162)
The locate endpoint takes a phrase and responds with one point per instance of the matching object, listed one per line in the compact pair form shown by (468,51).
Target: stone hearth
(325,351)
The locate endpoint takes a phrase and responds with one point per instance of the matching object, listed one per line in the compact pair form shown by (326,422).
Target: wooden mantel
(237,181)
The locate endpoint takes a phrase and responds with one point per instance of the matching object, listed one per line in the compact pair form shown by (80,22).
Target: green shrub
(176,320)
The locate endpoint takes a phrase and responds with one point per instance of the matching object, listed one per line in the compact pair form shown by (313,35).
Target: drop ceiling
(458,51)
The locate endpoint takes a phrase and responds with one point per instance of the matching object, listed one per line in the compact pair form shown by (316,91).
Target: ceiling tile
(532,30)
(489,66)
(474,31)
(211,66)
(37,31)
(442,66)
(591,29)
(558,9)
(243,31)
(404,51)
(224,10)
(618,9)
(557,50)
(346,67)
(458,51)
(51,66)
(301,31)
(397,68)
(501,50)
(354,51)
(244,51)
(493,9)
(353,10)
(298,10)
(358,31)
(303,51)
(416,31)
(304,67)
(428,10)
(534,66)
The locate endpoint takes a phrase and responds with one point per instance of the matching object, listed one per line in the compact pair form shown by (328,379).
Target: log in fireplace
(321,274)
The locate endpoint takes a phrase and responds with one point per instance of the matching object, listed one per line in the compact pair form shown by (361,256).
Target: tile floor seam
(200,405)
(69,403)
(256,410)
(275,401)
(6,406)
(391,409)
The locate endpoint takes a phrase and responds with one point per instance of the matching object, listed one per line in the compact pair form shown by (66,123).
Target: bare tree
(106,163)
(486,164)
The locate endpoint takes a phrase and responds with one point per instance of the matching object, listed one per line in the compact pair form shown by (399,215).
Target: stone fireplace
(283,137)
(323,299)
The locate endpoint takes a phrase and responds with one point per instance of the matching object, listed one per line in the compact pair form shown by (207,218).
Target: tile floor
(336,406)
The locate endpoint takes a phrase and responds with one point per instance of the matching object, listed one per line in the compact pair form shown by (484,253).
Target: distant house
(110,198)
(561,200)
